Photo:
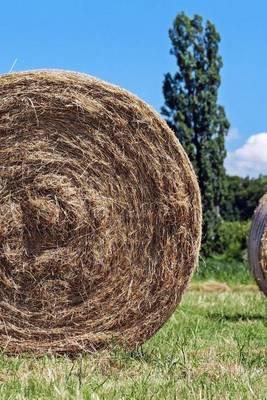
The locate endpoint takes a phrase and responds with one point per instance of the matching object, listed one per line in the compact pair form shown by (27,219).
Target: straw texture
(257,244)
(100,215)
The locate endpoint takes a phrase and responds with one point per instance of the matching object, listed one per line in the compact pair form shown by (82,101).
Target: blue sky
(126,42)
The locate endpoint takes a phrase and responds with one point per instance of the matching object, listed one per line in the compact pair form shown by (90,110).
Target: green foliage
(191,110)
(230,262)
(242,197)
(232,239)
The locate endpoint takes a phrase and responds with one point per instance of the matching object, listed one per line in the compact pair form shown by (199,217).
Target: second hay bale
(257,245)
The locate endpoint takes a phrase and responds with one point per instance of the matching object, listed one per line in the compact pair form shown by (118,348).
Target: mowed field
(213,347)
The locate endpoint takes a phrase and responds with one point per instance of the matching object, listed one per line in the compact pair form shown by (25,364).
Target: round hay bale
(257,244)
(100,215)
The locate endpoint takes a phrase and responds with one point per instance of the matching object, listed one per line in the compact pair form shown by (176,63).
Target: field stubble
(213,347)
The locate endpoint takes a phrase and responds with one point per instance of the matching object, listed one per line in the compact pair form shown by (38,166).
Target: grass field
(213,347)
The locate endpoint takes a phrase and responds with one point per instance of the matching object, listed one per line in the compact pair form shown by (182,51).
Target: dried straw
(257,244)
(100,215)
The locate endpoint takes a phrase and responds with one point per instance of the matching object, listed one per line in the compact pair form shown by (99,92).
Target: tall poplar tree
(192,111)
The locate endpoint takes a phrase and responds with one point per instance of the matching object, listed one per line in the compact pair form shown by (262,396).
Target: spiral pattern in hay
(99,215)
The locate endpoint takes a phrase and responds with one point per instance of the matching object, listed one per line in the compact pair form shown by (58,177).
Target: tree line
(192,111)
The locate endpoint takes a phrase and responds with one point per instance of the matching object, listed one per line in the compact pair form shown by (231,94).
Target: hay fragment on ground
(257,244)
(100,215)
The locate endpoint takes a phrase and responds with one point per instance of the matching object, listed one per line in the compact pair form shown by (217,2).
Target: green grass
(221,269)
(213,347)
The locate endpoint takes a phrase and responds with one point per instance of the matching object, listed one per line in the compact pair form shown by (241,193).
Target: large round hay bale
(100,215)
(257,244)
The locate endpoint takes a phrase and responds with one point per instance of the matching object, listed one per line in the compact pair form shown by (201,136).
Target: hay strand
(100,215)
(257,245)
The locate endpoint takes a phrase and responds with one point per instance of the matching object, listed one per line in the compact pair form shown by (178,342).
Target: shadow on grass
(237,317)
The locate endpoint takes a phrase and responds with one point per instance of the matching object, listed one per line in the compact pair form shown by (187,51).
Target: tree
(192,111)
(242,197)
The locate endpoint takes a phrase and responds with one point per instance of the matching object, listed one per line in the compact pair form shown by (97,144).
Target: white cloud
(250,159)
